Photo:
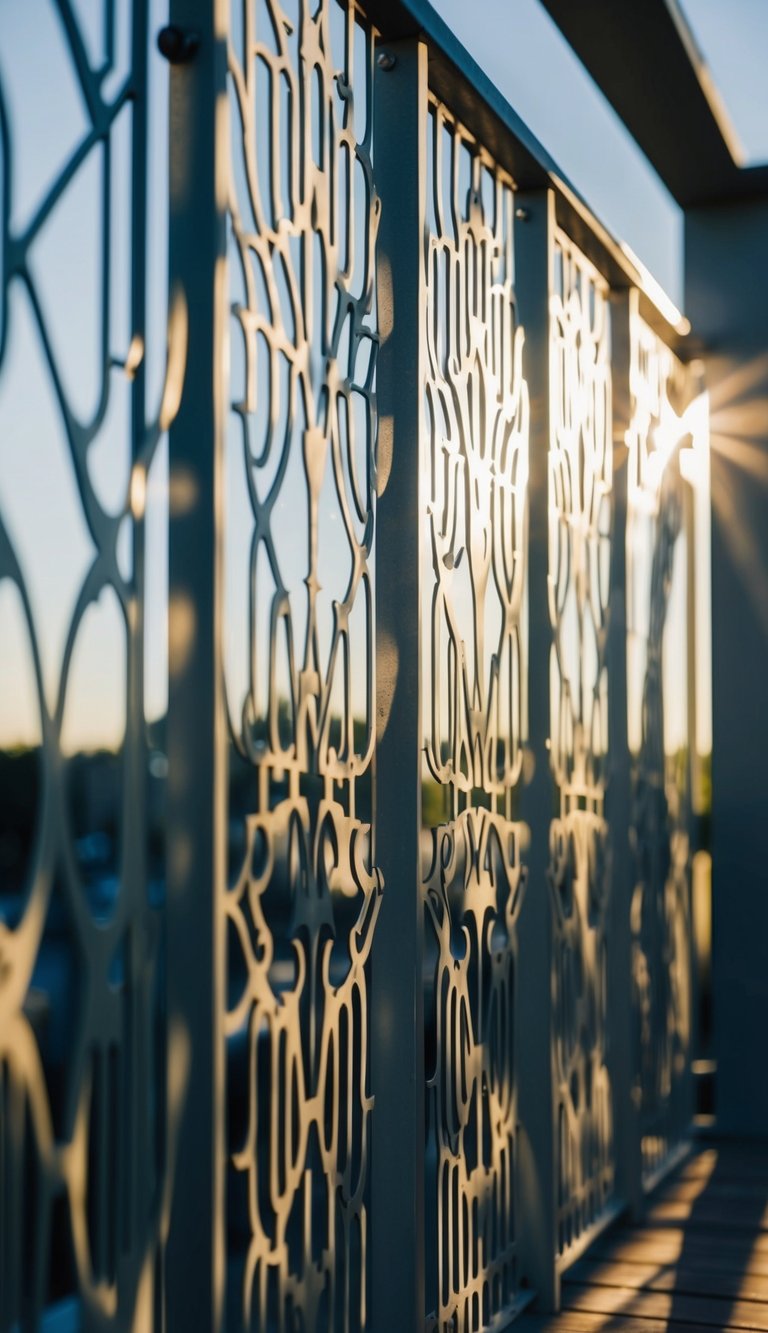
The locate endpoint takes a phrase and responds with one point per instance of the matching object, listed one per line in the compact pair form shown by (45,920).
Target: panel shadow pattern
(81,888)
(664,441)
(580,484)
(474,664)
(304,891)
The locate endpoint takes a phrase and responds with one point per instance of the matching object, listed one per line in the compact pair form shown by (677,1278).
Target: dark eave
(458,81)
(642,56)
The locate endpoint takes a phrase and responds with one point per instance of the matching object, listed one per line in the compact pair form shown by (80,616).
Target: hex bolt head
(385,60)
(176,45)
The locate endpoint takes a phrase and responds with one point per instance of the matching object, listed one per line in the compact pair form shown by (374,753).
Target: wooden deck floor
(699,1262)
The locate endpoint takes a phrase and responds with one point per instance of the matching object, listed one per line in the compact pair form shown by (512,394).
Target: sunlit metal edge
(610,1214)
(675,1159)
(706,81)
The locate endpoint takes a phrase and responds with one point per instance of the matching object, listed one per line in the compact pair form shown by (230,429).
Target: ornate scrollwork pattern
(473,668)
(304,890)
(81,887)
(658,732)
(580,472)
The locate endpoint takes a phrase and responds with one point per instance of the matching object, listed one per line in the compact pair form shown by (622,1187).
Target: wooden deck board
(705,1258)
(670,1306)
(671,1240)
(714,1214)
(750,1192)
(740,1161)
(575,1321)
(691,1280)
(699,1261)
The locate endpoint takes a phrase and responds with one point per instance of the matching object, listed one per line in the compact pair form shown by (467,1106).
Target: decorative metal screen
(474,663)
(143,1066)
(81,871)
(663,449)
(304,890)
(580,472)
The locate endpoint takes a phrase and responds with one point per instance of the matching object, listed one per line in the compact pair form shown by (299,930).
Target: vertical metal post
(691,522)
(692,774)
(138,1188)
(618,801)
(696,596)
(196,810)
(397,1037)
(537,1183)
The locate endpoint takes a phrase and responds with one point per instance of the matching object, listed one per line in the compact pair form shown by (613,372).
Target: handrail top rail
(459,82)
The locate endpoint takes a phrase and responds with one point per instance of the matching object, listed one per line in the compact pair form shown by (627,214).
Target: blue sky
(521,49)
(732,36)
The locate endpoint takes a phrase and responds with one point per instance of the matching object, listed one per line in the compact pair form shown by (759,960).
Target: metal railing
(354,990)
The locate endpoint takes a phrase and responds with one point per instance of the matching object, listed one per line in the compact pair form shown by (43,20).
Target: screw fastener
(522,214)
(385,60)
(177,46)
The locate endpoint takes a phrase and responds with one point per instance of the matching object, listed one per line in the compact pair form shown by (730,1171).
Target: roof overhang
(456,79)
(646,62)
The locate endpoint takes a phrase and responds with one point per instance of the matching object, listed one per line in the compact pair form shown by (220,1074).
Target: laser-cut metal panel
(579,559)
(664,442)
(474,660)
(81,1046)
(304,889)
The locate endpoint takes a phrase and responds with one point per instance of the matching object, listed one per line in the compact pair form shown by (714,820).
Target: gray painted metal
(646,64)
(196,860)
(619,793)
(397,1040)
(537,1181)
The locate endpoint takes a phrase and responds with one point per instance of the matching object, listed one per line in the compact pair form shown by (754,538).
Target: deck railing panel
(386,1007)
(473,668)
(299,536)
(580,486)
(81,876)
(667,444)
